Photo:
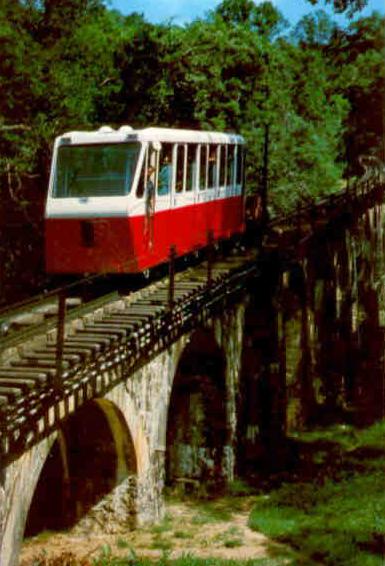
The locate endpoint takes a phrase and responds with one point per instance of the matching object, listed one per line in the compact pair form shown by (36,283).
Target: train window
(239,165)
(213,166)
(147,174)
(180,165)
(95,170)
(142,183)
(142,180)
(165,170)
(230,164)
(222,165)
(191,167)
(203,168)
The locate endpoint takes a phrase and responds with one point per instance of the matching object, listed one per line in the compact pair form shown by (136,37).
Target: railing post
(60,339)
(210,256)
(171,276)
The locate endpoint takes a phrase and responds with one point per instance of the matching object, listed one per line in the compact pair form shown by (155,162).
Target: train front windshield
(99,170)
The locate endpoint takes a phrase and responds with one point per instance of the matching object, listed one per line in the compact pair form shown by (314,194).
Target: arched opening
(92,456)
(197,426)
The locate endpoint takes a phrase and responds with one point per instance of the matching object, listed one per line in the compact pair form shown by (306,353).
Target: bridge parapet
(109,347)
(140,391)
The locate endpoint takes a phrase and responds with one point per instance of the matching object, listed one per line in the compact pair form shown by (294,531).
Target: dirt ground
(216,529)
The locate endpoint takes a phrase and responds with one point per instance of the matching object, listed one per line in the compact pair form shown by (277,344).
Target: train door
(177,222)
(184,194)
(163,219)
(191,193)
(202,195)
(146,193)
(212,212)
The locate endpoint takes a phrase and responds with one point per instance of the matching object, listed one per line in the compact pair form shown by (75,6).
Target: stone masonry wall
(142,399)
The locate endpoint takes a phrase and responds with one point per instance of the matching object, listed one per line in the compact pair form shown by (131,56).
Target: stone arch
(89,474)
(21,478)
(197,424)
(125,451)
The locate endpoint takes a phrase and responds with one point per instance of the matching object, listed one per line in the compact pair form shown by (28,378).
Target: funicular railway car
(119,199)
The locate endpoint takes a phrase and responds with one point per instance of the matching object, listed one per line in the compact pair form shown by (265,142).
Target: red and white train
(119,199)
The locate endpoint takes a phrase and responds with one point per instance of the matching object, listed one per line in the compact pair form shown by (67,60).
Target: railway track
(47,361)
(40,314)
(124,332)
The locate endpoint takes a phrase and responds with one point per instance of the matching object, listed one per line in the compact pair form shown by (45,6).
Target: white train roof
(105,134)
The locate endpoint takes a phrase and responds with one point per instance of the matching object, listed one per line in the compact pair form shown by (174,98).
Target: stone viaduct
(214,397)
(109,457)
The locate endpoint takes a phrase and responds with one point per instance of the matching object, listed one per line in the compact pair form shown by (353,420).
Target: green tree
(142,96)
(75,64)
(52,80)
(314,30)
(263,18)
(357,56)
(349,6)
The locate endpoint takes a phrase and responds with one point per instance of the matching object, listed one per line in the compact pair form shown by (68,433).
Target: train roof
(105,134)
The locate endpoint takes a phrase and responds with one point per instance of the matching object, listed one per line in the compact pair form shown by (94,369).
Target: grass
(230,538)
(239,488)
(205,517)
(209,513)
(161,544)
(334,512)
(122,543)
(182,534)
(164,526)
(186,560)
(107,559)
(234,542)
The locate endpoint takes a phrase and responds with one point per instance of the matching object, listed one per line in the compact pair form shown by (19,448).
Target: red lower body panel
(133,244)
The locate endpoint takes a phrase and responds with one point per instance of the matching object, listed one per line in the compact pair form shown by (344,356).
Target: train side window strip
(230,165)
(192,167)
(239,175)
(222,165)
(203,167)
(143,176)
(180,168)
(165,170)
(213,166)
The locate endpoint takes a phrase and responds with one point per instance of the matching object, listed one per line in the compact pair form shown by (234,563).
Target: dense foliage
(316,90)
